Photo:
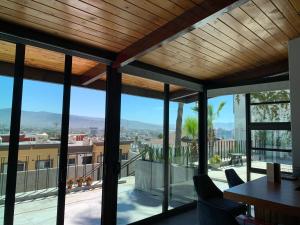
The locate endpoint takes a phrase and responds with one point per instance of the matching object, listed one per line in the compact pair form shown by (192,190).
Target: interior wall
(294,68)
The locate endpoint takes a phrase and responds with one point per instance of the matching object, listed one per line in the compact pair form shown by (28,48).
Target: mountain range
(39,120)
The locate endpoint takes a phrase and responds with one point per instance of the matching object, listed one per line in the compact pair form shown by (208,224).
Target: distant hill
(40,120)
(49,120)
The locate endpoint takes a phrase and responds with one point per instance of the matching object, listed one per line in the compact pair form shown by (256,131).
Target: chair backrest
(232,178)
(210,214)
(206,188)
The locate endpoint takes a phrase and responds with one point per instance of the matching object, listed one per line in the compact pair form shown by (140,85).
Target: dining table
(274,203)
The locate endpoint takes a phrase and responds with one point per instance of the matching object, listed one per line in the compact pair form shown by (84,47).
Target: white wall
(294,73)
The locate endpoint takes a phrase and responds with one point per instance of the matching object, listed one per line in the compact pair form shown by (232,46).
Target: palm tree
(191,130)
(211,117)
(178,131)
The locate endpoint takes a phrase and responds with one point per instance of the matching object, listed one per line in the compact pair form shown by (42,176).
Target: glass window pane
(271,113)
(85,157)
(272,139)
(226,138)
(270,96)
(140,188)
(37,178)
(183,140)
(7,55)
(260,158)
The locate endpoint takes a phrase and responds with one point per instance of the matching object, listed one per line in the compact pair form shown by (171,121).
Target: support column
(111,165)
(63,153)
(248,136)
(166,148)
(202,131)
(13,149)
(294,74)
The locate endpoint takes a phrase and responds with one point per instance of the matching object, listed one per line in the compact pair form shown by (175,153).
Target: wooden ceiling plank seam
(183,59)
(172,66)
(207,52)
(233,43)
(143,12)
(249,35)
(275,15)
(103,15)
(169,6)
(214,48)
(184,4)
(261,18)
(33,23)
(255,28)
(226,47)
(210,66)
(151,8)
(201,56)
(198,53)
(58,20)
(83,21)
(289,13)
(195,17)
(64,29)
(93,19)
(133,18)
(296,5)
(224,28)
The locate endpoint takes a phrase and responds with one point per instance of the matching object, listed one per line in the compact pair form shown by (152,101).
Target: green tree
(191,130)
(212,115)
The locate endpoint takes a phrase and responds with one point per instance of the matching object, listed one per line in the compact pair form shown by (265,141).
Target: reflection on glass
(270,96)
(37,177)
(140,189)
(6,89)
(271,113)
(183,149)
(260,158)
(272,139)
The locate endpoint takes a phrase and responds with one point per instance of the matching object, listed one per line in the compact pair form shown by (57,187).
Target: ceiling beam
(147,71)
(31,73)
(15,33)
(273,72)
(199,15)
(93,74)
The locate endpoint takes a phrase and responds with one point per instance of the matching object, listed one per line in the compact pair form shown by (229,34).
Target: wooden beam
(7,69)
(165,76)
(94,74)
(277,71)
(15,33)
(199,15)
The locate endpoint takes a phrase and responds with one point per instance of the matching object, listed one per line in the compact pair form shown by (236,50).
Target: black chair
(232,178)
(208,192)
(210,214)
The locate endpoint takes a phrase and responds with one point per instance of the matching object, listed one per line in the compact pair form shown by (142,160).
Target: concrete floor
(84,207)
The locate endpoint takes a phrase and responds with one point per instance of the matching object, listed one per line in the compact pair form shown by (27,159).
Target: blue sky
(41,96)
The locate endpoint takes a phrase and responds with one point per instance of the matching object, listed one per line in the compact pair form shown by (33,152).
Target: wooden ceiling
(54,61)
(248,37)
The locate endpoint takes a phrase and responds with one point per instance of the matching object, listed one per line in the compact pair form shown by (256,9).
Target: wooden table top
(278,197)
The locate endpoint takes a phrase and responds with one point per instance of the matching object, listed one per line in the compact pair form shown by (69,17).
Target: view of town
(141,156)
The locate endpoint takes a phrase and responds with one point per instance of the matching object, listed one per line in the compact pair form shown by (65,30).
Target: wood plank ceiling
(250,36)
